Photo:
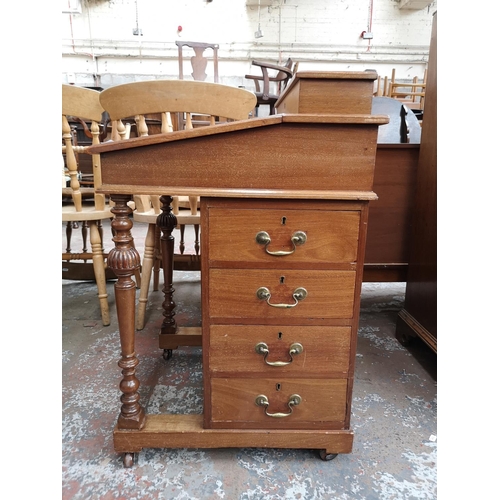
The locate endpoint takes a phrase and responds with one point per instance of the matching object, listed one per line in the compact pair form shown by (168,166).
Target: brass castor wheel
(327,456)
(128,459)
(167,354)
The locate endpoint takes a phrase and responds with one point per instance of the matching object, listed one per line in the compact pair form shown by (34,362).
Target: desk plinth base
(186,431)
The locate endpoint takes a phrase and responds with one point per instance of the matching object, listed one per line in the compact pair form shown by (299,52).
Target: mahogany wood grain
(225,128)
(394,183)
(184,336)
(348,150)
(419,316)
(232,292)
(332,236)
(338,164)
(235,301)
(233,403)
(167,222)
(124,260)
(328,92)
(325,350)
(187,431)
(389,225)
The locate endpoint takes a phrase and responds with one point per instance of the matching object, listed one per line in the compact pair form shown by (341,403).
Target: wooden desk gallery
(284,209)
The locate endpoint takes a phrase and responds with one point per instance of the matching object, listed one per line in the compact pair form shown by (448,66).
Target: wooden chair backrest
(165,99)
(407,92)
(199,61)
(284,77)
(79,102)
(176,96)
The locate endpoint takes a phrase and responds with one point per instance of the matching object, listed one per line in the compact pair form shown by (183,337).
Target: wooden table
(284,212)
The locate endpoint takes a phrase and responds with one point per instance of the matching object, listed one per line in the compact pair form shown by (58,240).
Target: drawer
(233,294)
(322,403)
(330,236)
(303,351)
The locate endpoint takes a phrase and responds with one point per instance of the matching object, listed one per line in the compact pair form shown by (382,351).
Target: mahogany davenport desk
(284,204)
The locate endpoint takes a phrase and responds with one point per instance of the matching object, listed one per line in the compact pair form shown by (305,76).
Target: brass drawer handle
(298,238)
(262,400)
(300,293)
(295,348)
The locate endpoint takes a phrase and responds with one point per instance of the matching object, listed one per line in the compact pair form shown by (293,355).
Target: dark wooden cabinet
(419,316)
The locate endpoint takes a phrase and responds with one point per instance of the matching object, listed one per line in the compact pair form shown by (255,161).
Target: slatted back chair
(412,94)
(82,103)
(171,104)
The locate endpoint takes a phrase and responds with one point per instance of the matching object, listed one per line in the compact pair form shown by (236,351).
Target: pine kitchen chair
(83,103)
(173,102)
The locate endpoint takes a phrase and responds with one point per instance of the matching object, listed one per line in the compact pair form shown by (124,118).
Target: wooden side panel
(328,92)
(389,223)
(337,157)
(341,96)
(420,311)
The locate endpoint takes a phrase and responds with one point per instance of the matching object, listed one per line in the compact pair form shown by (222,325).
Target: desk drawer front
(330,236)
(322,403)
(233,294)
(321,350)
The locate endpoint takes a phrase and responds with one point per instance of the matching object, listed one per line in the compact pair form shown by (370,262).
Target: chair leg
(99,272)
(182,245)
(85,227)
(69,232)
(147,267)
(157,260)
(197,238)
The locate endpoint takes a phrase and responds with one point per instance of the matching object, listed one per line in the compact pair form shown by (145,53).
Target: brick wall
(100,49)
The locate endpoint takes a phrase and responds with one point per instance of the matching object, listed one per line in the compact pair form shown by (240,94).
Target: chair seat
(87,214)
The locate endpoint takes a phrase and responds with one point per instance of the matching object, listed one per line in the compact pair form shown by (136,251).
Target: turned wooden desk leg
(124,260)
(167,222)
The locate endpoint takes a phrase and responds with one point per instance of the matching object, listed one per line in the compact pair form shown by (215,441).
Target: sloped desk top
(282,156)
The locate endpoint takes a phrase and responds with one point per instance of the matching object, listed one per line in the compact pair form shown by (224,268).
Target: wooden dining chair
(199,60)
(83,103)
(172,103)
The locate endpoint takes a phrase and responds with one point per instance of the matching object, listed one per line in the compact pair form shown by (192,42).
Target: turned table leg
(167,222)
(124,260)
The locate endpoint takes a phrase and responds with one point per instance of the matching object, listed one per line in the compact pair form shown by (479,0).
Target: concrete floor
(394,412)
